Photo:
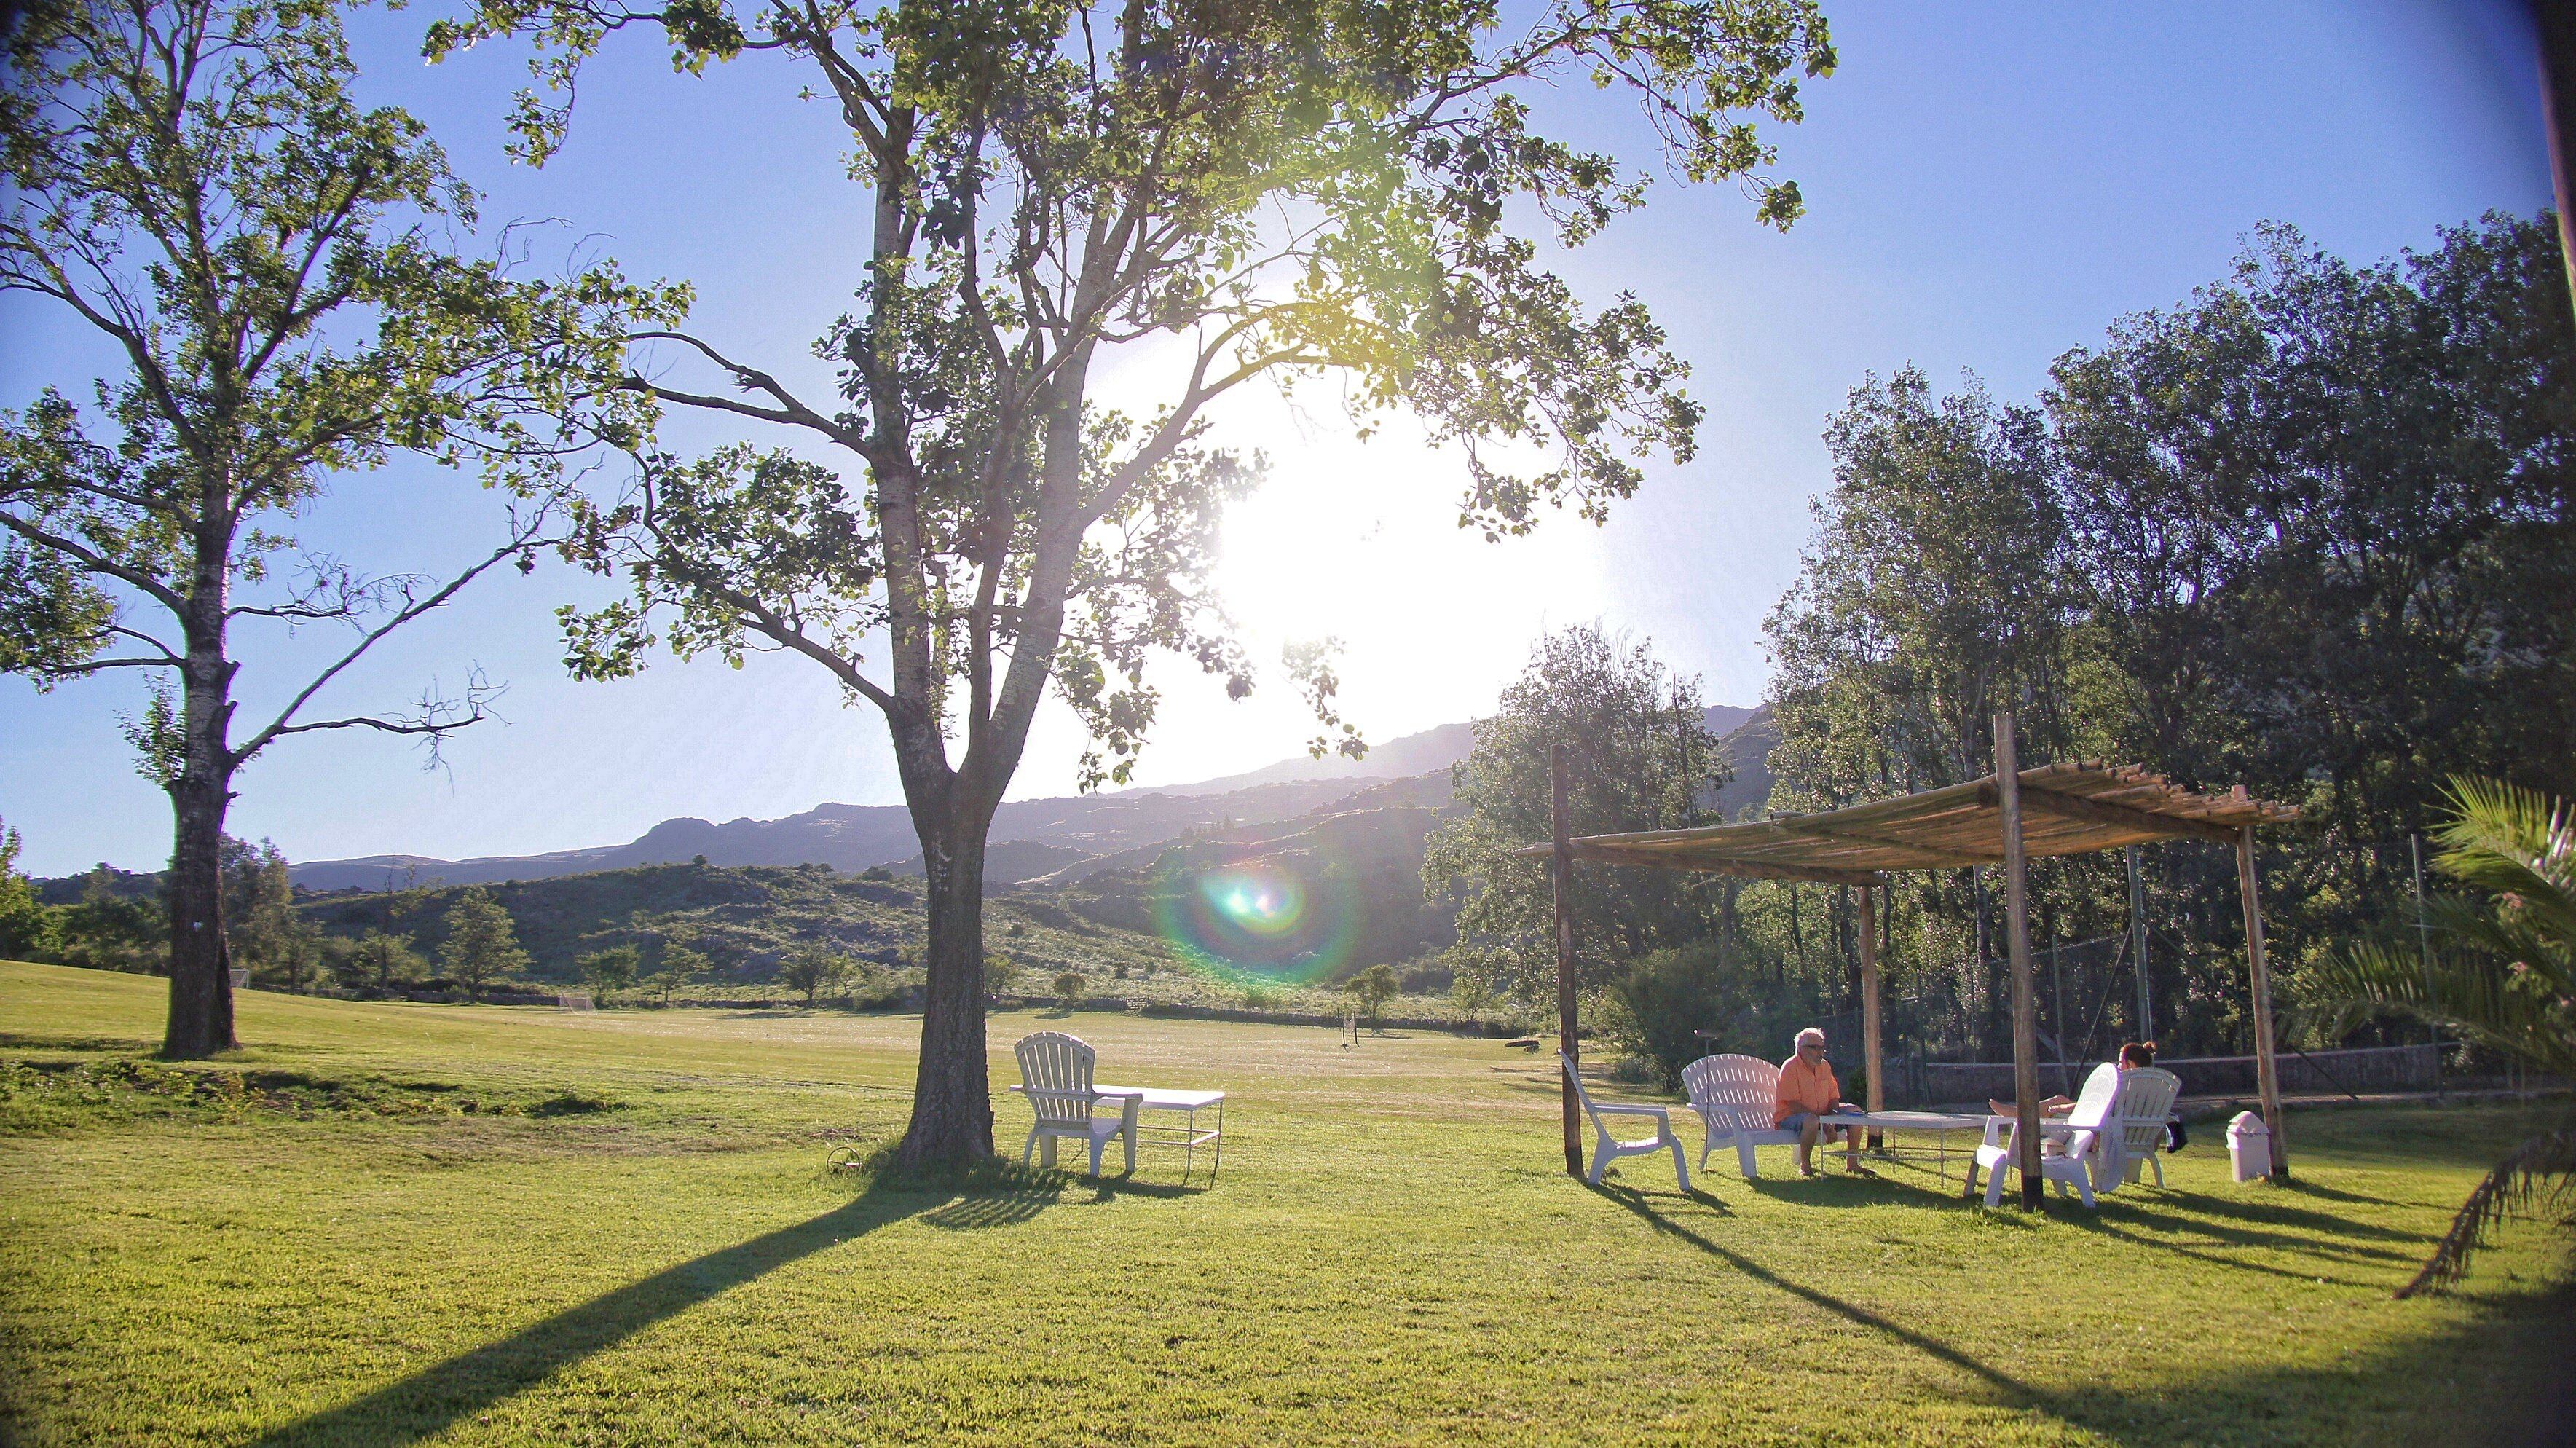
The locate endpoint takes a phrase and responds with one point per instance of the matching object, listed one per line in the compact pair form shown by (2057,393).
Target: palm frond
(2475,995)
(2539,1173)
(2518,845)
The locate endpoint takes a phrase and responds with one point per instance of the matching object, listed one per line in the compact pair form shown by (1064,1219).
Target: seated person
(1806,1094)
(2132,1056)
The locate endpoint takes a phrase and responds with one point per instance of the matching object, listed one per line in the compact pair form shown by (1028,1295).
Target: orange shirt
(1804,1088)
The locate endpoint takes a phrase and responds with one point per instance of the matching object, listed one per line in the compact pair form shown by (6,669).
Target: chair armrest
(1662,1111)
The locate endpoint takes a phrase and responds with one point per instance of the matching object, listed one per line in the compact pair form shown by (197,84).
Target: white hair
(1801,1038)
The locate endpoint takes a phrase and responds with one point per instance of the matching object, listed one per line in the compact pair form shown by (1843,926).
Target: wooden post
(1872,1055)
(2138,948)
(2267,1073)
(1562,830)
(2017,944)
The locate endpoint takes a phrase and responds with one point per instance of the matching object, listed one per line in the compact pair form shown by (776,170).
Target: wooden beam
(1869,1019)
(2267,1071)
(1743,869)
(2116,816)
(1938,858)
(1563,831)
(2017,945)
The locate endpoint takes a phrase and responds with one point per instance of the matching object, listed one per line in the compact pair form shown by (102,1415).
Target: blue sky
(1987,185)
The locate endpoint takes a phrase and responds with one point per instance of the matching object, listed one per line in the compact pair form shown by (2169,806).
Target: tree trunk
(201,983)
(952,1104)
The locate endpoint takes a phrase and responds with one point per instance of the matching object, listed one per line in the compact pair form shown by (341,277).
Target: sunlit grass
(316,1242)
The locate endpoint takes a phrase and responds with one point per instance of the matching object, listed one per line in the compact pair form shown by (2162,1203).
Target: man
(1808,1093)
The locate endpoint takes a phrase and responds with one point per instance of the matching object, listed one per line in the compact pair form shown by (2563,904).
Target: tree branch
(521,537)
(96,563)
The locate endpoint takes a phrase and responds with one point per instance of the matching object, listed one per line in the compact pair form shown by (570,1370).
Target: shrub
(1374,987)
(611,970)
(1069,984)
(812,968)
(1666,998)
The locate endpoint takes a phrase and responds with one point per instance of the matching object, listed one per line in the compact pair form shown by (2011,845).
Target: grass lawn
(392,1224)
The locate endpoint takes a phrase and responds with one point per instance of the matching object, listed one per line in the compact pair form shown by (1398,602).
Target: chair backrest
(1580,1094)
(2146,1099)
(1735,1092)
(2101,1093)
(1055,1074)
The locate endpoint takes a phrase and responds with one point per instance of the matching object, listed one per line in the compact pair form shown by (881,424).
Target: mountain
(1748,747)
(850,837)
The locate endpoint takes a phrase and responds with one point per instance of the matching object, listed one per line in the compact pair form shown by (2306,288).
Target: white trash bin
(2249,1146)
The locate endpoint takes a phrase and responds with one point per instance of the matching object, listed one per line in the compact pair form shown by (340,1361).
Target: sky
(1987,186)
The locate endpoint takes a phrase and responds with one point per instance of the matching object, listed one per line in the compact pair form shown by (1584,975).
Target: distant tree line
(2309,532)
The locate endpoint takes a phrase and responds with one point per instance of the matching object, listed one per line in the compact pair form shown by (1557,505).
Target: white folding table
(1940,1123)
(1187,1135)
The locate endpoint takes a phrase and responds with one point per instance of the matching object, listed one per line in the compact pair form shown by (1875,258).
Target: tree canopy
(1643,759)
(2312,531)
(273,261)
(1287,192)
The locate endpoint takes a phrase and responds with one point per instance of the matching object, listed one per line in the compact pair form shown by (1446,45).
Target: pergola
(2007,818)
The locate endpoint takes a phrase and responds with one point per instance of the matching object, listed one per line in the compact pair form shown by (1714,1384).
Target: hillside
(745,919)
(853,837)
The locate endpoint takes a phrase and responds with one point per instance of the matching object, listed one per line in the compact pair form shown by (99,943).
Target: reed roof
(2069,808)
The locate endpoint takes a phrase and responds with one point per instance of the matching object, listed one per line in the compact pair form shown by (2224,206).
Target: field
(391,1224)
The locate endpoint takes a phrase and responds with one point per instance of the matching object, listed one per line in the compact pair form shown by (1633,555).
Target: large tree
(194,182)
(1644,759)
(1234,193)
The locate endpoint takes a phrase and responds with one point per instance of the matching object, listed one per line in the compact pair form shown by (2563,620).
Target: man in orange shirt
(1808,1093)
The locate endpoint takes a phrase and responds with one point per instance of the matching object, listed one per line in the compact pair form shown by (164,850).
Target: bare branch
(524,534)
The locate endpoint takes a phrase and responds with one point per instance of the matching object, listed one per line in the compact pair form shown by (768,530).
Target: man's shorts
(1798,1122)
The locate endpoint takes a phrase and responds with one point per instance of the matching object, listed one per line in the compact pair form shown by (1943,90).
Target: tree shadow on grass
(121,1045)
(2527,1341)
(435,1398)
(2306,1188)
(2262,1213)
(1028,1193)
(2019,1392)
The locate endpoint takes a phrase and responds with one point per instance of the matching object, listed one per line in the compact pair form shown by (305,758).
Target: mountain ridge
(850,837)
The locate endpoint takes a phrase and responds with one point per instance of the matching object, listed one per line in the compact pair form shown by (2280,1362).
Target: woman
(2132,1056)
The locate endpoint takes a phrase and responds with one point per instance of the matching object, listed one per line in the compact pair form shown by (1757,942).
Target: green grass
(388,1224)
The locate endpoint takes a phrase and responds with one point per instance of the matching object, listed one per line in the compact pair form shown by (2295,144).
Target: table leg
(1127,1129)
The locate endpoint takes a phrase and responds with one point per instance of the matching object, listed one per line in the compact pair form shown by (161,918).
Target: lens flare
(1254,924)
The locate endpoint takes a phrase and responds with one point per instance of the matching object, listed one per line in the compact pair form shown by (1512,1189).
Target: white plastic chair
(2068,1152)
(1055,1074)
(2135,1130)
(1607,1148)
(1734,1096)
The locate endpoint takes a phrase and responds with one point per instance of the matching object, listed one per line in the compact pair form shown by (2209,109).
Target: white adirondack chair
(1733,1096)
(2068,1151)
(2136,1128)
(1055,1074)
(1607,1148)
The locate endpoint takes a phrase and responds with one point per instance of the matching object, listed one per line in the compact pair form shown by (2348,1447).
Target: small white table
(1187,1135)
(1940,1123)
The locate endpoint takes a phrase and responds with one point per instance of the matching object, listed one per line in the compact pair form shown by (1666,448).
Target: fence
(2372,1068)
